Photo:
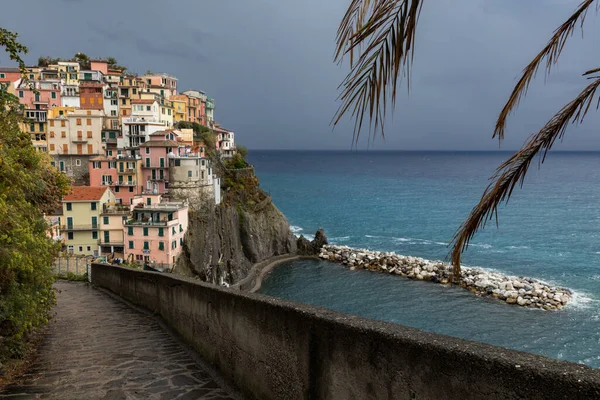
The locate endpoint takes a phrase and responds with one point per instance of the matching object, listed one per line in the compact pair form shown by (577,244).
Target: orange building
(91,95)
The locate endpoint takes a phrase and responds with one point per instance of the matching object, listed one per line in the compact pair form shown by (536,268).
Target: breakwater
(522,291)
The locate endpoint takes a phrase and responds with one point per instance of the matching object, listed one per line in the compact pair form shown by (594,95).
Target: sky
(269,65)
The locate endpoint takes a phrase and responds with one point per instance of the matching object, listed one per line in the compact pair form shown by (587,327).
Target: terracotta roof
(221,130)
(140,101)
(162,133)
(160,143)
(85,193)
(9,69)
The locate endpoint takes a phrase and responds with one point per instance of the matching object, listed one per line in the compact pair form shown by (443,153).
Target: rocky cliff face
(224,241)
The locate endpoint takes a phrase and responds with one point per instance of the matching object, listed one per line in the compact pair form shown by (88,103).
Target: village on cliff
(134,147)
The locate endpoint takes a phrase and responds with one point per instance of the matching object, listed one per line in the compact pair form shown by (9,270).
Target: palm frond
(383,33)
(550,53)
(513,170)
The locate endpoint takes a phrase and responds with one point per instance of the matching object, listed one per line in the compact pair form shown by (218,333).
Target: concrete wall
(274,349)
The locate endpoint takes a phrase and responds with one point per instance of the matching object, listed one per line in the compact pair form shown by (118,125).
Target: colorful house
(179,108)
(81,218)
(121,173)
(155,233)
(155,154)
(113,217)
(225,142)
(163,84)
(91,95)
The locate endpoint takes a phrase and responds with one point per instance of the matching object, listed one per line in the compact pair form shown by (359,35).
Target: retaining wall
(275,349)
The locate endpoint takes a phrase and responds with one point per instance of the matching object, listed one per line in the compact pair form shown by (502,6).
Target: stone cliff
(224,241)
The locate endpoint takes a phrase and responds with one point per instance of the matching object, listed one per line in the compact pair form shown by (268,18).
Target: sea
(412,203)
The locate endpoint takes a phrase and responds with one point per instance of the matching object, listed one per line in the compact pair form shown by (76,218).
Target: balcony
(111,141)
(79,227)
(147,222)
(116,209)
(158,179)
(126,171)
(124,183)
(80,139)
(115,243)
(106,183)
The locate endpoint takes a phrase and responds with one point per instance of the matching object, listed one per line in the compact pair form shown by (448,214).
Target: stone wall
(77,166)
(275,349)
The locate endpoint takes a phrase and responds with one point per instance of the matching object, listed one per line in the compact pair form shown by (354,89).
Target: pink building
(9,75)
(47,96)
(122,174)
(155,233)
(155,163)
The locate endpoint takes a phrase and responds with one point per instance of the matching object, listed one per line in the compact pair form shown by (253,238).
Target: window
(2,76)
(146,246)
(31,76)
(70,235)
(162,162)
(174,244)
(147,150)
(131,244)
(79,119)
(88,121)
(53,95)
(131,189)
(130,230)
(78,162)
(81,248)
(189,174)
(51,144)
(82,101)
(52,123)
(181,241)
(41,124)
(113,113)
(161,246)
(63,134)
(145,231)
(147,163)
(69,207)
(90,149)
(65,150)
(91,100)
(89,248)
(89,134)
(31,127)
(117,189)
(174,231)
(105,220)
(95,235)
(180,228)
(62,123)
(21,94)
(148,108)
(149,201)
(161,232)
(134,91)
(124,103)
(93,205)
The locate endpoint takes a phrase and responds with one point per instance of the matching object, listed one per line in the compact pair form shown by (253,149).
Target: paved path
(98,347)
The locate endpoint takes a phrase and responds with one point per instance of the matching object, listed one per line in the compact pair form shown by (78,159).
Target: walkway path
(98,347)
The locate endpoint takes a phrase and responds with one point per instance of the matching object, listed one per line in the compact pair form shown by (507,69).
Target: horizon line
(421,150)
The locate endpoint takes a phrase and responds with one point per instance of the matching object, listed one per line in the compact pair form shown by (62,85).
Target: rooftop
(141,101)
(160,143)
(85,193)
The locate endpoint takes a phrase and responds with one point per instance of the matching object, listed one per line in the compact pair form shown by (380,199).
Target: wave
(339,239)
(517,247)
(296,229)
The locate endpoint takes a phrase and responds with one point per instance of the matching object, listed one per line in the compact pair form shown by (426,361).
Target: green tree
(29,186)
(378,38)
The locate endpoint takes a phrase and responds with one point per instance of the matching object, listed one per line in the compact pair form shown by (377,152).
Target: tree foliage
(382,34)
(29,186)
(201,132)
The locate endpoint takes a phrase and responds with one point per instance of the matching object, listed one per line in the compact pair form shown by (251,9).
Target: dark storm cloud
(268,64)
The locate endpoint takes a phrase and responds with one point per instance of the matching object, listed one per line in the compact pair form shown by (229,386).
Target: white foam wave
(296,229)
(339,239)
(581,301)
(517,247)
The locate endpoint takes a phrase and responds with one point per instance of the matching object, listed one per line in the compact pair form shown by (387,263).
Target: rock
(511,300)
(521,301)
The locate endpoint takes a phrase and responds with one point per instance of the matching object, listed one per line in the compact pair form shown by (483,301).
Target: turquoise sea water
(412,203)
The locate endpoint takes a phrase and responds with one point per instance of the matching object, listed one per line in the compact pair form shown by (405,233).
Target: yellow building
(68,72)
(179,109)
(130,87)
(82,209)
(75,131)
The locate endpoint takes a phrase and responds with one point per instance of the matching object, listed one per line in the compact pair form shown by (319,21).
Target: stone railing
(276,349)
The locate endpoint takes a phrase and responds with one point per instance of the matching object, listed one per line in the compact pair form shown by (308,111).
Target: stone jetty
(522,291)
